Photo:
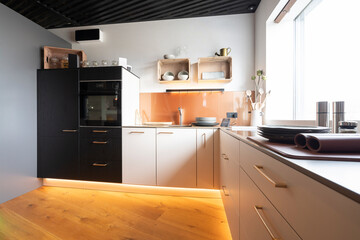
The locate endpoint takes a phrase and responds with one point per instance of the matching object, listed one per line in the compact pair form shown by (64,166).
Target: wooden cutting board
(291,151)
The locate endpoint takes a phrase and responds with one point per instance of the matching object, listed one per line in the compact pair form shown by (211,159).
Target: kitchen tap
(180,115)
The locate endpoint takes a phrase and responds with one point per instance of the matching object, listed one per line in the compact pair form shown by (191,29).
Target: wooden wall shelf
(174,66)
(215,64)
(59,53)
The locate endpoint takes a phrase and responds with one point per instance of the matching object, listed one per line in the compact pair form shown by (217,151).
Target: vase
(256,118)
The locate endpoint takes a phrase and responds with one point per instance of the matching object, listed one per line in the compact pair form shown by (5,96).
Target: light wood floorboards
(69,213)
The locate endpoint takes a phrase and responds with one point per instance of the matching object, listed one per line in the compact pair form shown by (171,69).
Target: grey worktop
(341,176)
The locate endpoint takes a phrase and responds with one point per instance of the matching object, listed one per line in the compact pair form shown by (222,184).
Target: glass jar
(65,62)
(54,63)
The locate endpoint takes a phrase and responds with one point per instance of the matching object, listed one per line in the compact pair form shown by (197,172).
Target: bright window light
(328,57)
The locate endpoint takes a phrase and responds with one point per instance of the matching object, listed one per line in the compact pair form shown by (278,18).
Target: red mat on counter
(291,151)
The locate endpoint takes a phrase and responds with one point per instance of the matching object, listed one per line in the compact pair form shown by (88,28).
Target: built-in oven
(100,103)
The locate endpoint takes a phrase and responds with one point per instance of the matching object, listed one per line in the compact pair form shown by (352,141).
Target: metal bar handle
(135,132)
(226,192)
(99,164)
(224,156)
(69,130)
(204,135)
(277,185)
(98,142)
(99,131)
(166,133)
(257,208)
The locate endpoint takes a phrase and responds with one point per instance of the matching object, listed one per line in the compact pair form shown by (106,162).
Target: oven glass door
(100,108)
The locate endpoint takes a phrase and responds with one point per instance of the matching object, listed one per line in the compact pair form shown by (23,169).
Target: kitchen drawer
(106,171)
(312,209)
(259,220)
(101,73)
(87,132)
(100,149)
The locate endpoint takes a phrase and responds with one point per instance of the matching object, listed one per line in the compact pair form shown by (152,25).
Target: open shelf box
(175,66)
(215,64)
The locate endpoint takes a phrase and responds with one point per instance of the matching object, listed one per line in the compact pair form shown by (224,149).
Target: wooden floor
(69,213)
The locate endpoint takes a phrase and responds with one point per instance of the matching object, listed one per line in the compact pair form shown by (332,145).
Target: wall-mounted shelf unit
(211,65)
(175,66)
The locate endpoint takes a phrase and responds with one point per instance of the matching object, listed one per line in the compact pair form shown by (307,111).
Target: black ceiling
(72,13)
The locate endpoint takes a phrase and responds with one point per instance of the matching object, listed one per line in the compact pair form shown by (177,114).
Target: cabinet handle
(224,156)
(204,135)
(69,130)
(99,131)
(99,164)
(136,132)
(277,185)
(166,133)
(226,192)
(257,208)
(97,142)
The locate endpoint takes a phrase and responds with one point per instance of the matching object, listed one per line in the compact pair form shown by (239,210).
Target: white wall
(20,44)
(145,42)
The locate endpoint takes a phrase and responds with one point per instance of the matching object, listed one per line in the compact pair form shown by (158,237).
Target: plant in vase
(259,99)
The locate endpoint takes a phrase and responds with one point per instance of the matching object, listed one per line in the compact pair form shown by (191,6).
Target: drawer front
(89,132)
(104,171)
(101,159)
(259,220)
(312,209)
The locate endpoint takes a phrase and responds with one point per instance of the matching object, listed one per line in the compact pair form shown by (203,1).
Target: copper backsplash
(163,107)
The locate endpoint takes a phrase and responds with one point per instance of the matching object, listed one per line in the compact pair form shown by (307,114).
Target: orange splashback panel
(163,107)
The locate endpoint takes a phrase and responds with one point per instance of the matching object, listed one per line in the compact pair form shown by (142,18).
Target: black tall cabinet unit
(70,147)
(58,123)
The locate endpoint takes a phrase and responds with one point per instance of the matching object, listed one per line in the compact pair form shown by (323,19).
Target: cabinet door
(205,158)
(58,124)
(176,157)
(58,157)
(229,180)
(259,220)
(139,156)
(58,101)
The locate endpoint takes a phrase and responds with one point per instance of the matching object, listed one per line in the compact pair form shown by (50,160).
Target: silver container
(338,115)
(322,114)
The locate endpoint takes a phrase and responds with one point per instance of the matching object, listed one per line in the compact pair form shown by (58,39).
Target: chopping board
(291,151)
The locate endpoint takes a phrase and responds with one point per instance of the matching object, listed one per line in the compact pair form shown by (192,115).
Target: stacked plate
(206,121)
(287,134)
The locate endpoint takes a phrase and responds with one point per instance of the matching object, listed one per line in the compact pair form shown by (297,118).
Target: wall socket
(231,115)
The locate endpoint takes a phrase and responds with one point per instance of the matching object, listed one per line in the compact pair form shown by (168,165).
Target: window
(327,57)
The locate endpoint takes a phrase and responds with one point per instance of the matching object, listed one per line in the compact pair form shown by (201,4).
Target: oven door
(100,103)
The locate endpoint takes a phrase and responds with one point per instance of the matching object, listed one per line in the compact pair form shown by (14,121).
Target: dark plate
(205,124)
(284,138)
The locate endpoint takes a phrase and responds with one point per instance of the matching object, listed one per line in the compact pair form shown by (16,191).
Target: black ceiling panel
(73,13)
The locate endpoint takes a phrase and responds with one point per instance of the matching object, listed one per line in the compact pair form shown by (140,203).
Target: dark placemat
(291,151)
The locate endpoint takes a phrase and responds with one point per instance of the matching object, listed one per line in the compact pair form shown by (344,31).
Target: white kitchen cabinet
(176,157)
(229,180)
(259,220)
(139,156)
(205,158)
(312,209)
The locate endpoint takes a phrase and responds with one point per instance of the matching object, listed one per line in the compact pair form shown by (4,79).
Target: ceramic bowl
(169,56)
(183,75)
(168,76)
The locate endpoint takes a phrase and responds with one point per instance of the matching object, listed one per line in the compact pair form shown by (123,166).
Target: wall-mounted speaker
(88,35)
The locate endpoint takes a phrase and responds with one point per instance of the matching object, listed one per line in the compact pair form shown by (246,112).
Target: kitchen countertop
(170,126)
(341,176)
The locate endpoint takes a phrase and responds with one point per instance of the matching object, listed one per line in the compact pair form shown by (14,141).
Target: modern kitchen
(179,120)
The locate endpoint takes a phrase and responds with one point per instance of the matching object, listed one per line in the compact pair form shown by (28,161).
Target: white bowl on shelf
(168,76)
(169,56)
(183,75)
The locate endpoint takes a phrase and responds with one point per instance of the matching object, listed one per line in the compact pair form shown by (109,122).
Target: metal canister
(322,114)
(338,115)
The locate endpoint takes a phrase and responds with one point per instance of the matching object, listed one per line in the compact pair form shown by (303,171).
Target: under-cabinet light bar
(197,90)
